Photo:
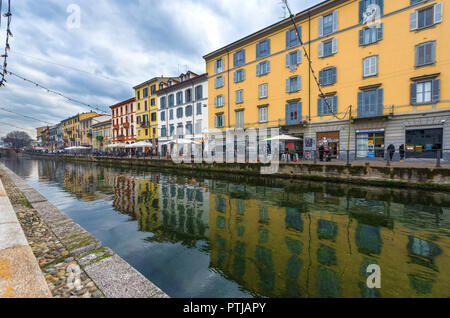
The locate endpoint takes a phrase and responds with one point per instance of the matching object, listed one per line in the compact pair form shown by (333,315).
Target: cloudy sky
(118,44)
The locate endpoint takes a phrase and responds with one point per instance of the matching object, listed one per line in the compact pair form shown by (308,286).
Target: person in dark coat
(401,150)
(391,151)
(321,152)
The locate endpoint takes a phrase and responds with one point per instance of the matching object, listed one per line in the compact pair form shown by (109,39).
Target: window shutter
(235,59)
(380,4)
(413,93)
(215,101)
(235,77)
(334,45)
(288,60)
(436,90)
(243,74)
(417,55)
(335,21)
(414,19)
(360,104)
(243,57)
(258,50)
(380,102)
(287,117)
(299,111)
(438,12)
(288,85)
(299,57)
(268,66)
(321,78)
(215,122)
(258,69)
(321,49)
(361,37)
(335,104)
(433,52)
(268,46)
(362,9)
(287,39)
(380,32)
(320,27)
(334,75)
(319,107)
(299,83)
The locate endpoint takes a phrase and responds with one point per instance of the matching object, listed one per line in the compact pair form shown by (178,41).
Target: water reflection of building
(147,189)
(184,212)
(278,244)
(125,194)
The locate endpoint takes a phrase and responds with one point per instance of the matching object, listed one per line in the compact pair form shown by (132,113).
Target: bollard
(438,161)
(388,160)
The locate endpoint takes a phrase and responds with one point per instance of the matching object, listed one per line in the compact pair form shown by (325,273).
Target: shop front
(423,143)
(330,142)
(370,144)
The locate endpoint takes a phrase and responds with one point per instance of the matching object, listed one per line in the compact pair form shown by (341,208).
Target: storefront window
(370,144)
(423,143)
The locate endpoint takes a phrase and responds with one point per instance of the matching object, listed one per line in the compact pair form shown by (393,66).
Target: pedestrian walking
(401,150)
(391,151)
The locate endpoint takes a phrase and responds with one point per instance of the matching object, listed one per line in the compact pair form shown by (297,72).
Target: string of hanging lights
(9,34)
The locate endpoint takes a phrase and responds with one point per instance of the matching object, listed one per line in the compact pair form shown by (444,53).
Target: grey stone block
(7,214)
(11,235)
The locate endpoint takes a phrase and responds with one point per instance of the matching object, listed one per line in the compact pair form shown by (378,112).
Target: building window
(370,66)
(171,100)
(292,38)
(180,112)
(163,132)
(239,76)
(369,36)
(138,95)
(328,47)
(327,106)
(219,121)
(328,76)
(198,126)
(240,119)
(163,116)
(199,108)
(189,128)
(263,68)
(163,102)
(263,90)
(293,59)
(239,58)
(179,98)
(364,5)
(188,111)
(370,103)
(145,92)
(328,24)
(180,130)
(219,101)
(152,102)
(219,81)
(425,54)
(263,114)
(263,48)
(171,114)
(172,130)
(146,132)
(153,116)
(188,95)
(138,108)
(293,113)
(293,84)
(219,66)
(240,96)
(426,92)
(199,92)
(426,17)
(153,89)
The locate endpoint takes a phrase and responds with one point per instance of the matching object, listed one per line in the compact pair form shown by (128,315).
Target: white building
(183,110)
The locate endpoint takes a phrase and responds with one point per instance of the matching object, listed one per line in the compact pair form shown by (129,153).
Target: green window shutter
(335,104)
(436,88)
(413,94)
(319,107)
(380,101)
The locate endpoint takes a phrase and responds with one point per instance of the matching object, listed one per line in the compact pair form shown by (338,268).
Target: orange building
(124,122)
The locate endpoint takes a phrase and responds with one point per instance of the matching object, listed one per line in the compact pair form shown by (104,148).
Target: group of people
(391,152)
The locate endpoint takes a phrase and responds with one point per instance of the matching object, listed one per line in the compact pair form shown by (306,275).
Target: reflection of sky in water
(211,238)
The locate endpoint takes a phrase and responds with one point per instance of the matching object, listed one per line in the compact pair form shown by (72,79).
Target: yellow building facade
(147,109)
(389,72)
(72,130)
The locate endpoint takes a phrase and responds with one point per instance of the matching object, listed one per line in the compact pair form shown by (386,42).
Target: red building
(124,122)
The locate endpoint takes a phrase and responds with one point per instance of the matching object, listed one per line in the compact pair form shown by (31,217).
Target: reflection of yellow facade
(125,194)
(148,203)
(281,252)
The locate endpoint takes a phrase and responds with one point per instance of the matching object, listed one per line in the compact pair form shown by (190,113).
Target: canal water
(199,235)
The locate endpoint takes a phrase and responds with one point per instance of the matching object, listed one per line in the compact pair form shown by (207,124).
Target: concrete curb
(20,275)
(114,276)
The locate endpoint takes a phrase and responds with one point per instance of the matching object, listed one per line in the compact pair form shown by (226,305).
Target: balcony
(145,125)
(126,125)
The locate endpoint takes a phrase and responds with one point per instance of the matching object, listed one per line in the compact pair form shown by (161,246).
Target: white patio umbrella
(283,137)
(184,142)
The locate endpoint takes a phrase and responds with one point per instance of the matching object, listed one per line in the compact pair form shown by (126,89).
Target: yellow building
(147,109)
(390,71)
(71,130)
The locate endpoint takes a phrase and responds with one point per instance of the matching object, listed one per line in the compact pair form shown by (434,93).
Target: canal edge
(112,275)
